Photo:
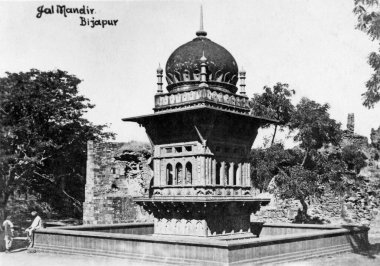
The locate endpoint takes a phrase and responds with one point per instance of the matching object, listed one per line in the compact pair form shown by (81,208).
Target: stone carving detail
(209,190)
(210,219)
(189,96)
(194,74)
(200,192)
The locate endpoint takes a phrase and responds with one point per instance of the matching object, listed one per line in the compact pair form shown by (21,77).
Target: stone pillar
(209,171)
(208,181)
(222,174)
(238,176)
(213,179)
(203,171)
(248,174)
(247,182)
(244,174)
(199,170)
(158,179)
(231,174)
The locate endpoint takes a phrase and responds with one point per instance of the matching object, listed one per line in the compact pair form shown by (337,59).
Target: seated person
(36,224)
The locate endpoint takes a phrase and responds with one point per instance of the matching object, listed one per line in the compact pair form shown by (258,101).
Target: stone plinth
(135,243)
(197,216)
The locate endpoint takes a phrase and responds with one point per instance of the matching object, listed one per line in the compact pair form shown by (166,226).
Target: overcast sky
(311,45)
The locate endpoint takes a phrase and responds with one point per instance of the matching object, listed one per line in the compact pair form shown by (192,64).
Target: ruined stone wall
(358,206)
(116,172)
(354,139)
(349,135)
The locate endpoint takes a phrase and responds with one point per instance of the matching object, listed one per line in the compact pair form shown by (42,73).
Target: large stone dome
(184,65)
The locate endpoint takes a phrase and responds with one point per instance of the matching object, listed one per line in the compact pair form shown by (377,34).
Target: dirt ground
(20,257)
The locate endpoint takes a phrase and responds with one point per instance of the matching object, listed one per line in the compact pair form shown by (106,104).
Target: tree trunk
(274,134)
(2,214)
(304,208)
(3,204)
(305,158)
(343,213)
(75,203)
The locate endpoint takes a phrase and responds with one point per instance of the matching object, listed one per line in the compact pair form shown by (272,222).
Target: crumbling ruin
(360,206)
(116,172)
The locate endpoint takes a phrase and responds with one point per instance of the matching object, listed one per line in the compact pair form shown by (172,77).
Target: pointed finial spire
(201,32)
(203,60)
(159,78)
(159,69)
(242,81)
(201,18)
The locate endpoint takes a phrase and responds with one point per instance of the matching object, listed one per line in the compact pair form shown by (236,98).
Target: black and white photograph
(190,132)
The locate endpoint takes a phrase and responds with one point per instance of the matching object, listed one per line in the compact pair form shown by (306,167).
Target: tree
(367,12)
(321,173)
(354,158)
(275,104)
(299,183)
(314,129)
(267,162)
(43,137)
(314,126)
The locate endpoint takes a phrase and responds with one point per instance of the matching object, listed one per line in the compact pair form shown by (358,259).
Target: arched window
(227,174)
(178,174)
(169,174)
(235,174)
(189,173)
(217,181)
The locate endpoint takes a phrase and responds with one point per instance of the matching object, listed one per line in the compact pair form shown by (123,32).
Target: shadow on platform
(362,245)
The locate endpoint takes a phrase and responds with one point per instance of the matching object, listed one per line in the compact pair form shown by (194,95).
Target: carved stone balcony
(190,192)
(206,96)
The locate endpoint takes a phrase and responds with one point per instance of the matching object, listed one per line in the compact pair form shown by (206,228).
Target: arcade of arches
(222,173)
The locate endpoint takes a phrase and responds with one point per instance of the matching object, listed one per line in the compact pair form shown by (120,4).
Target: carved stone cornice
(200,209)
(209,96)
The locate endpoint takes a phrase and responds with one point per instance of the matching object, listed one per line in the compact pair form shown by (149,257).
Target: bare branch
(77,203)
(43,176)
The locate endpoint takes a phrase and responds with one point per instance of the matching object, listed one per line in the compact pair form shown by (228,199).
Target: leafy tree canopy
(368,15)
(275,103)
(43,136)
(321,172)
(354,158)
(314,126)
(305,172)
(267,162)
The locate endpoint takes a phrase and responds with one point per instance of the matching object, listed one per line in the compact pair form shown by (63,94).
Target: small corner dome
(184,64)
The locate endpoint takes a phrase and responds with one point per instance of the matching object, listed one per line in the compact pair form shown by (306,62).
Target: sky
(310,44)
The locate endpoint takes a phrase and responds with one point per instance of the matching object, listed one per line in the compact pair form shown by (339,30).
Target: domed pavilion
(202,133)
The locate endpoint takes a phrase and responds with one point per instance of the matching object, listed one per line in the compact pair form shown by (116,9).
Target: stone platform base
(202,216)
(135,242)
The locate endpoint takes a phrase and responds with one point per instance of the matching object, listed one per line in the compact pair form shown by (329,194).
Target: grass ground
(20,257)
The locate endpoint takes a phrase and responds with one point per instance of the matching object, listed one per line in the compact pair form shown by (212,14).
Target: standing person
(36,224)
(8,233)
